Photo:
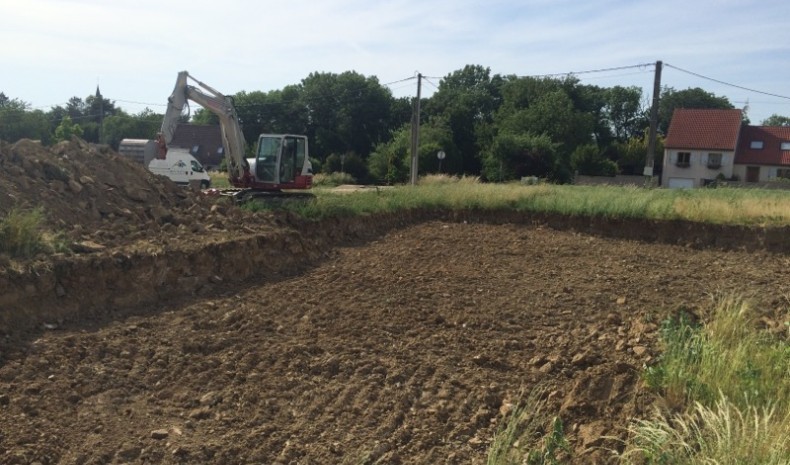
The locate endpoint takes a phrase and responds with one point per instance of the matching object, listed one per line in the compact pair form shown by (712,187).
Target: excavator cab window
(266,159)
(288,162)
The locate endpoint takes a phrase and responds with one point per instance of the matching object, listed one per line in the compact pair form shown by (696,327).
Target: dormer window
(785,145)
(756,144)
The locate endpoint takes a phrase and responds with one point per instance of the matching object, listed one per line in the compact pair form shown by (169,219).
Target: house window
(684,159)
(714,161)
(756,144)
(785,145)
(220,150)
(783,173)
(195,149)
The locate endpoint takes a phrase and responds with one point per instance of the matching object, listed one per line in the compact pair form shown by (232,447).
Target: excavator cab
(281,159)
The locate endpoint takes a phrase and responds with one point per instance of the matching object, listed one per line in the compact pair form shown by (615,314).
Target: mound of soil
(98,199)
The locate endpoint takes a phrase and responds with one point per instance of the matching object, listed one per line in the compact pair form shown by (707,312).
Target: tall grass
(529,436)
(725,206)
(722,434)
(21,234)
(736,380)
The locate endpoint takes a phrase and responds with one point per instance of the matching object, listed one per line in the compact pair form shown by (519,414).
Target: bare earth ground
(405,350)
(410,348)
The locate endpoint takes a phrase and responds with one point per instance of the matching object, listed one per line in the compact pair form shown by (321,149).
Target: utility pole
(651,138)
(415,134)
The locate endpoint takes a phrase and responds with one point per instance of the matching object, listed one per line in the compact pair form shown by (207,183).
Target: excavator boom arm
(233,142)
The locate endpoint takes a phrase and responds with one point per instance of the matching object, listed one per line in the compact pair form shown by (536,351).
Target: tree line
(498,127)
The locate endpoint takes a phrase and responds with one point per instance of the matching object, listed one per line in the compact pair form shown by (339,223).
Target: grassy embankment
(721,206)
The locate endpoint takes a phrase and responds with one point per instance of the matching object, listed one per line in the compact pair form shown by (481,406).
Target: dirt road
(410,349)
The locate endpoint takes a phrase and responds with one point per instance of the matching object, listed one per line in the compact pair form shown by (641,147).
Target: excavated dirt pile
(188,333)
(99,199)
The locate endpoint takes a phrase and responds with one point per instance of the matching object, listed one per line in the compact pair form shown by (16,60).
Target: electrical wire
(590,71)
(399,81)
(142,103)
(726,83)
(430,82)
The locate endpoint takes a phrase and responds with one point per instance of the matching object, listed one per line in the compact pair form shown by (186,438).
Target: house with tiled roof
(763,154)
(700,146)
(204,142)
(705,145)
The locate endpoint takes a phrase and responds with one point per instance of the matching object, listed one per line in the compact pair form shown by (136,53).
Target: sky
(53,50)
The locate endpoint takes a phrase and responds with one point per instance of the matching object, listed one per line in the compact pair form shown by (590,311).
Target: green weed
(21,234)
(522,438)
(730,386)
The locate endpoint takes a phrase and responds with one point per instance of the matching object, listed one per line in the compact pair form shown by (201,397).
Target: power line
(405,86)
(726,83)
(141,103)
(429,82)
(399,81)
(601,70)
(617,75)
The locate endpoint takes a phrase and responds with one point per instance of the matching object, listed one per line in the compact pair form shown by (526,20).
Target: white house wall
(767,173)
(698,166)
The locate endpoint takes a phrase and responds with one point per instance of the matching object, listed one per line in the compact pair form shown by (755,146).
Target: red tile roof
(703,129)
(771,153)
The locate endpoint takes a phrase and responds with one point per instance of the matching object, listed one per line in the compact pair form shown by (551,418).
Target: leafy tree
(89,113)
(776,120)
(589,160)
(12,112)
(554,115)
(467,99)
(625,113)
(278,112)
(119,126)
(688,98)
(346,112)
(631,154)
(66,129)
(390,161)
(593,101)
(349,163)
(512,156)
(37,126)
(437,135)
(400,112)
(17,121)
(75,108)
